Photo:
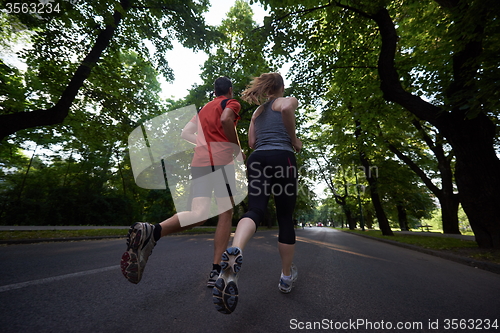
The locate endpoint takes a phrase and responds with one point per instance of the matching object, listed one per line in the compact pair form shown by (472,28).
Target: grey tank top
(270,131)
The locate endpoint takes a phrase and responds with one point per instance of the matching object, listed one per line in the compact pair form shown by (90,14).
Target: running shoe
(225,291)
(285,285)
(140,244)
(214,275)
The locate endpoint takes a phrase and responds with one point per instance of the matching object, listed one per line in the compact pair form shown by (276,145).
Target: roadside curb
(487,266)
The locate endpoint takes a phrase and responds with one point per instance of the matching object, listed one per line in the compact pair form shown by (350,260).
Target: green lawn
(44,234)
(451,245)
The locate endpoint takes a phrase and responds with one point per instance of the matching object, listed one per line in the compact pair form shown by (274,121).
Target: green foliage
(87,179)
(334,49)
(12,235)
(123,82)
(429,242)
(434,220)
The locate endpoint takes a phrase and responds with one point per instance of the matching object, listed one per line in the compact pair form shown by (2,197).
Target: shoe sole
(225,292)
(130,263)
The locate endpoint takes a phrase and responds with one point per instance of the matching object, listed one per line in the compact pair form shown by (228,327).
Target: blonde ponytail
(262,87)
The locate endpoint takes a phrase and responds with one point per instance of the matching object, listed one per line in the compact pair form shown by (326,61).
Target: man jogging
(213,131)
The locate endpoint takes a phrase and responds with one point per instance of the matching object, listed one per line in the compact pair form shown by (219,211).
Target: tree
(240,56)
(464,119)
(68,45)
(448,200)
(441,50)
(406,199)
(92,73)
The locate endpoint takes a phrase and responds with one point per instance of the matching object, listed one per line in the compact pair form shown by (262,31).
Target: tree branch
(304,11)
(412,165)
(11,123)
(390,83)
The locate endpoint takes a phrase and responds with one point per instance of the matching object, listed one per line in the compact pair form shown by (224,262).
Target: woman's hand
(297,145)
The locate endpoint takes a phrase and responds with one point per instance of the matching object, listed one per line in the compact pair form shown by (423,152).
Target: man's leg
(221,241)
(197,216)
(142,237)
(222,234)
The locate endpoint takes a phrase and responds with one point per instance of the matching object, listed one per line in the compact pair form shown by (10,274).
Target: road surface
(346,283)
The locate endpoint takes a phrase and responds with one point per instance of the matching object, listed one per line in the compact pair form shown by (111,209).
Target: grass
(44,234)
(455,246)
(49,234)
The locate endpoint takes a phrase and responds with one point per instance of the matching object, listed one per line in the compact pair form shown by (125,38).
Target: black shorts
(218,179)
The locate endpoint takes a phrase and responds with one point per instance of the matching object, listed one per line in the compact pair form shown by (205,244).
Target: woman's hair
(262,87)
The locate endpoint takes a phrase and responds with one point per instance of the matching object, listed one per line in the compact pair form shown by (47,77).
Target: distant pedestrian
(272,169)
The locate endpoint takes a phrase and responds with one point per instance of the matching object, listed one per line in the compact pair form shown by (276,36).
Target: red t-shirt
(212,144)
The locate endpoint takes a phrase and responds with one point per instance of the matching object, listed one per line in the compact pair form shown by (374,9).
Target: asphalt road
(346,283)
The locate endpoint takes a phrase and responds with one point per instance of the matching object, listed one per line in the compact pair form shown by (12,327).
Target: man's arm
(188,132)
(227,119)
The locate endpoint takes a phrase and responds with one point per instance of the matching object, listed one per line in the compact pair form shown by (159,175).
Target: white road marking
(55,278)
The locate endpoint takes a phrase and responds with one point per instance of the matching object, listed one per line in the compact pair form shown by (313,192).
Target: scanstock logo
(161,159)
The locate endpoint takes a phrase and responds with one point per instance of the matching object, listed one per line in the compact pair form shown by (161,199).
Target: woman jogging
(272,169)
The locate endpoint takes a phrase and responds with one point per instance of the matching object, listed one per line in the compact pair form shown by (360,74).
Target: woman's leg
(258,197)
(244,231)
(287,252)
(285,196)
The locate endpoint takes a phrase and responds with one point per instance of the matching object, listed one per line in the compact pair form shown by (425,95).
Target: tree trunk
(402,217)
(449,211)
(383,222)
(478,178)
(341,200)
(447,198)
(368,217)
(350,219)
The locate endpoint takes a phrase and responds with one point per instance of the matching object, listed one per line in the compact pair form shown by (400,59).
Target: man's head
(223,86)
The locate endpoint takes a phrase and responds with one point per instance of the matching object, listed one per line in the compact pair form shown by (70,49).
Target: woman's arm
(288,106)
(251,132)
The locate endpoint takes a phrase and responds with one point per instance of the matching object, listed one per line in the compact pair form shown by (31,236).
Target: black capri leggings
(273,172)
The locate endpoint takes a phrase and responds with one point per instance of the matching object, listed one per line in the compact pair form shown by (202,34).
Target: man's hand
(239,155)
